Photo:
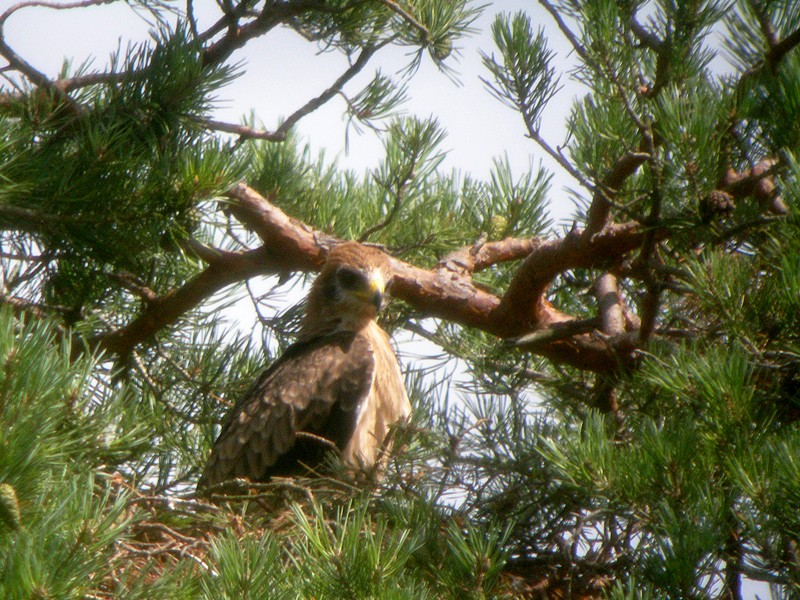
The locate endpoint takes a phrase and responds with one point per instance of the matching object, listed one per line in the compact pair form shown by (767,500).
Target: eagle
(339,386)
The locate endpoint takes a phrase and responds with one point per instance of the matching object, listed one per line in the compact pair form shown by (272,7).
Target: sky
(281,71)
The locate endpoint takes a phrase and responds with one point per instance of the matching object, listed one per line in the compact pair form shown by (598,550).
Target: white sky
(282,71)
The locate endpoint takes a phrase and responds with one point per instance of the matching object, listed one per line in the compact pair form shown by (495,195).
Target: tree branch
(782,48)
(609,303)
(445,291)
(600,209)
(243,131)
(525,297)
(337,86)
(165,310)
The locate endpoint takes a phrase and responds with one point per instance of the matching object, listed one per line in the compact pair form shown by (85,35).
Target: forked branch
(446,291)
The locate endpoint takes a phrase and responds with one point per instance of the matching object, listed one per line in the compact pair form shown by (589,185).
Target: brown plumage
(338,385)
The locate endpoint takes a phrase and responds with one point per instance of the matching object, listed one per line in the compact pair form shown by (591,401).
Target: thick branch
(609,303)
(299,246)
(525,298)
(166,310)
(483,254)
(445,291)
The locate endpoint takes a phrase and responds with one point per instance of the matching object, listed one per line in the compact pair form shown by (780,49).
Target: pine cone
(9,507)
(716,203)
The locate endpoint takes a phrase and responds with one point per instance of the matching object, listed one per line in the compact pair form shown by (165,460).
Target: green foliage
(601,129)
(352,557)
(524,79)
(245,567)
(111,188)
(57,436)
(380,99)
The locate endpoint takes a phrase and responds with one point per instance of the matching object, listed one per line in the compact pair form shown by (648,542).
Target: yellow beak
(374,292)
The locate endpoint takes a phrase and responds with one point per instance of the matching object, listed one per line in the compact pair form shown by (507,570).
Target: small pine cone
(9,507)
(716,203)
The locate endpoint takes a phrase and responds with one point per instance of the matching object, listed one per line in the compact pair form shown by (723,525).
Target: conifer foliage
(631,424)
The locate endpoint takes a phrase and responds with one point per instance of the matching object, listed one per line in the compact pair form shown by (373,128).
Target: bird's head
(349,291)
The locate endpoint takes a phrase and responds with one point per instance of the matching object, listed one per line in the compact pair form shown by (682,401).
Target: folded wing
(302,406)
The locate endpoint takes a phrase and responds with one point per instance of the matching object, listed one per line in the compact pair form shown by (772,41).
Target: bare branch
(337,86)
(243,131)
(609,304)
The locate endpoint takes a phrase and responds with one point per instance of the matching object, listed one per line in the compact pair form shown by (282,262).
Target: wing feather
(315,386)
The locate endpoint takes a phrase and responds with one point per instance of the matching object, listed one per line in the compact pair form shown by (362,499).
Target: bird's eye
(348,279)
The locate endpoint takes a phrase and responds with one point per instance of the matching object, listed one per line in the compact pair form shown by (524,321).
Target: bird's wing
(315,387)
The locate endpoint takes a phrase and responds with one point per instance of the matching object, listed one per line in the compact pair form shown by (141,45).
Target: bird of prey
(339,385)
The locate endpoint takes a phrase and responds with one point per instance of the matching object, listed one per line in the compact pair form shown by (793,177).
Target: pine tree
(631,424)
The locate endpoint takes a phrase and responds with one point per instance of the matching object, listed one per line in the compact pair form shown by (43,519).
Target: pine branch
(243,131)
(363,58)
(610,304)
(443,292)
(165,310)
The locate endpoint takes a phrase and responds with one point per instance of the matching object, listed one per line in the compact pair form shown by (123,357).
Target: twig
(558,331)
(407,16)
(363,58)
(243,131)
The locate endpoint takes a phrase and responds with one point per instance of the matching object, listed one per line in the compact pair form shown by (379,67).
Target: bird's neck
(317,324)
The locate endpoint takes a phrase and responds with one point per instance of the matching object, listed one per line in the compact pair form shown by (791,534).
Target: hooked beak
(375,292)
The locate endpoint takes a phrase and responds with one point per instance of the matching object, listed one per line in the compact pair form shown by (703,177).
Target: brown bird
(338,386)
